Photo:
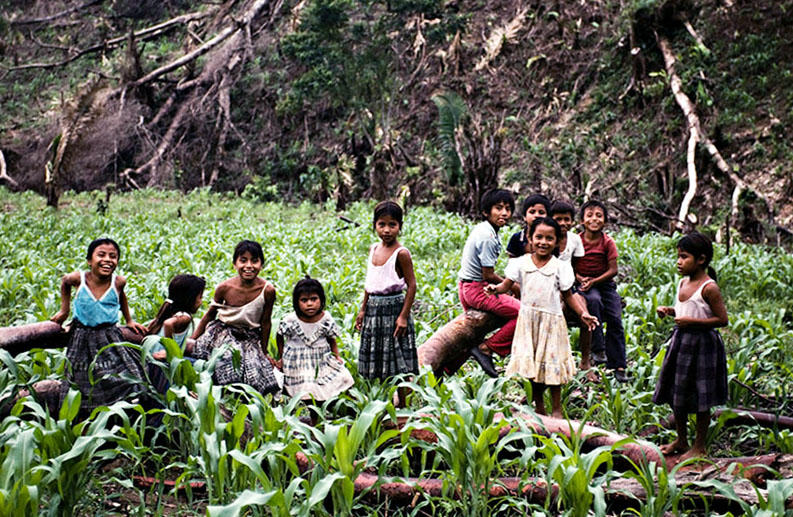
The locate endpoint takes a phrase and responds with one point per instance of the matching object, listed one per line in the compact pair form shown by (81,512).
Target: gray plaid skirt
(381,354)
(117,372)
(254,369)
(693,377)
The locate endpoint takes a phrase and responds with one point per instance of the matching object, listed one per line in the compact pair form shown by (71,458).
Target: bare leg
(698,448)
(402,395)
(556,401)
(680,444)
(585,342)
(537,392)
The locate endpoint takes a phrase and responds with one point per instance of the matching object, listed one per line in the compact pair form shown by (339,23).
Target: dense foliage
(243,447)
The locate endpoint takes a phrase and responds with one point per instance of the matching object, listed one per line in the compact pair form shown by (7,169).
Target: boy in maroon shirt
(595,272)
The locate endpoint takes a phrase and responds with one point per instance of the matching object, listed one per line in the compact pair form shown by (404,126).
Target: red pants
(472,296)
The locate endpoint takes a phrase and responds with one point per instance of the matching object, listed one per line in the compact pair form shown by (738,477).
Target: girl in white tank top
(693,377)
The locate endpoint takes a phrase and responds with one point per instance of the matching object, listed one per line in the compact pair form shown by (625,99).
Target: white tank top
(694,307)
(384,279)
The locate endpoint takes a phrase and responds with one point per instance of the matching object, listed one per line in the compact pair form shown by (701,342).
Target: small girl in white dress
(306,339)
(541,349)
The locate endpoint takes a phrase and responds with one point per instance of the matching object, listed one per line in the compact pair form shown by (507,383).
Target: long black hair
(182,293)
(307,285)
(698,245)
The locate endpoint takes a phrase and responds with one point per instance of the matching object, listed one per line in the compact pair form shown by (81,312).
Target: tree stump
(447,349)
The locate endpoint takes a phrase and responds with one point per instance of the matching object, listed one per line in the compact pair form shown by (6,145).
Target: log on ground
(447,349)
(45,334)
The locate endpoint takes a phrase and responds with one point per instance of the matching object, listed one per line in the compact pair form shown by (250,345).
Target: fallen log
(45,334)
(742,417)
(447,349)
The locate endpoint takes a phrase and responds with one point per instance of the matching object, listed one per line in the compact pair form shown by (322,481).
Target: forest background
(667,110)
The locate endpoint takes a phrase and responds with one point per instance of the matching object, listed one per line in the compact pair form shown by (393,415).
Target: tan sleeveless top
(247,316)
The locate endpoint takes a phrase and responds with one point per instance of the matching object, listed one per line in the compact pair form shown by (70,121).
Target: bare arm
(67,282)
(405,264)
(334,347)
(210,314)
(121,282)
(712,294)
(362,312)
(577,303)
(267,314)
(489,275)
(610,273)
(504,286)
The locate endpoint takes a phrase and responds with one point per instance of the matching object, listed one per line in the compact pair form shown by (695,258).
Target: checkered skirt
(114,370)
(693,376)
(381,355)
(254,369)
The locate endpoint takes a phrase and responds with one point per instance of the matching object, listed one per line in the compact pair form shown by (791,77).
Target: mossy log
(447,349)
(45,334)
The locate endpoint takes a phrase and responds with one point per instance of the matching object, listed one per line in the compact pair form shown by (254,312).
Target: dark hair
(308,285)
(595,203)
(182,292)
(562,207)
(252,247)
(98,242)
(535,199)
(698,245)
(547,221)
(494,196)
(387,208)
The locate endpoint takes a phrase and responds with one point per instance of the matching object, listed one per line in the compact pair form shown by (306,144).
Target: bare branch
(4,173)
(142,35)
(61,14)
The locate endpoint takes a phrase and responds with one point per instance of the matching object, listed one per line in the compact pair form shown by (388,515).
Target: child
(312,366)
(388,343)
(243,306)
(477,271)
(175,318)
(570,244)
(536,205)
(541,349)
(693,377)
(100,296)
(595,272)
(570,247)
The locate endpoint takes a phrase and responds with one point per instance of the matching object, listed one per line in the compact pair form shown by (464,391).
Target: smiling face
(248,266)
(594,219)
(310,304)
(104,260)
(565,220)
(499,214)
(687,264)
(387,228)
(533,212)
(543,240)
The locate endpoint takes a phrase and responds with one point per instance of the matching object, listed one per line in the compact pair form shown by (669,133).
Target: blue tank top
(92,312)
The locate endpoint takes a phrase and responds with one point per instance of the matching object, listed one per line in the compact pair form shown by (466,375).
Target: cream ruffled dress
(541,348)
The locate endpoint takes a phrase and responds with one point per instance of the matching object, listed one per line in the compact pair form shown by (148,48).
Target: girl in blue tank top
(99,298)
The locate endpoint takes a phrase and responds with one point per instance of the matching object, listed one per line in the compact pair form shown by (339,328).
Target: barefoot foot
(674,447)
(694,452)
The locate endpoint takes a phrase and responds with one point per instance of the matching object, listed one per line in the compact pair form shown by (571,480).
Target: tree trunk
(447,349)
(45,334)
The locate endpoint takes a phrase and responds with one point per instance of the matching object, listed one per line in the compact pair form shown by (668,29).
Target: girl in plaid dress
(306,338)
(693,377)
(100,377)
(388,343)
(243,306)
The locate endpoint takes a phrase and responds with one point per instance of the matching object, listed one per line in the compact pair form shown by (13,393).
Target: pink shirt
(384,279)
